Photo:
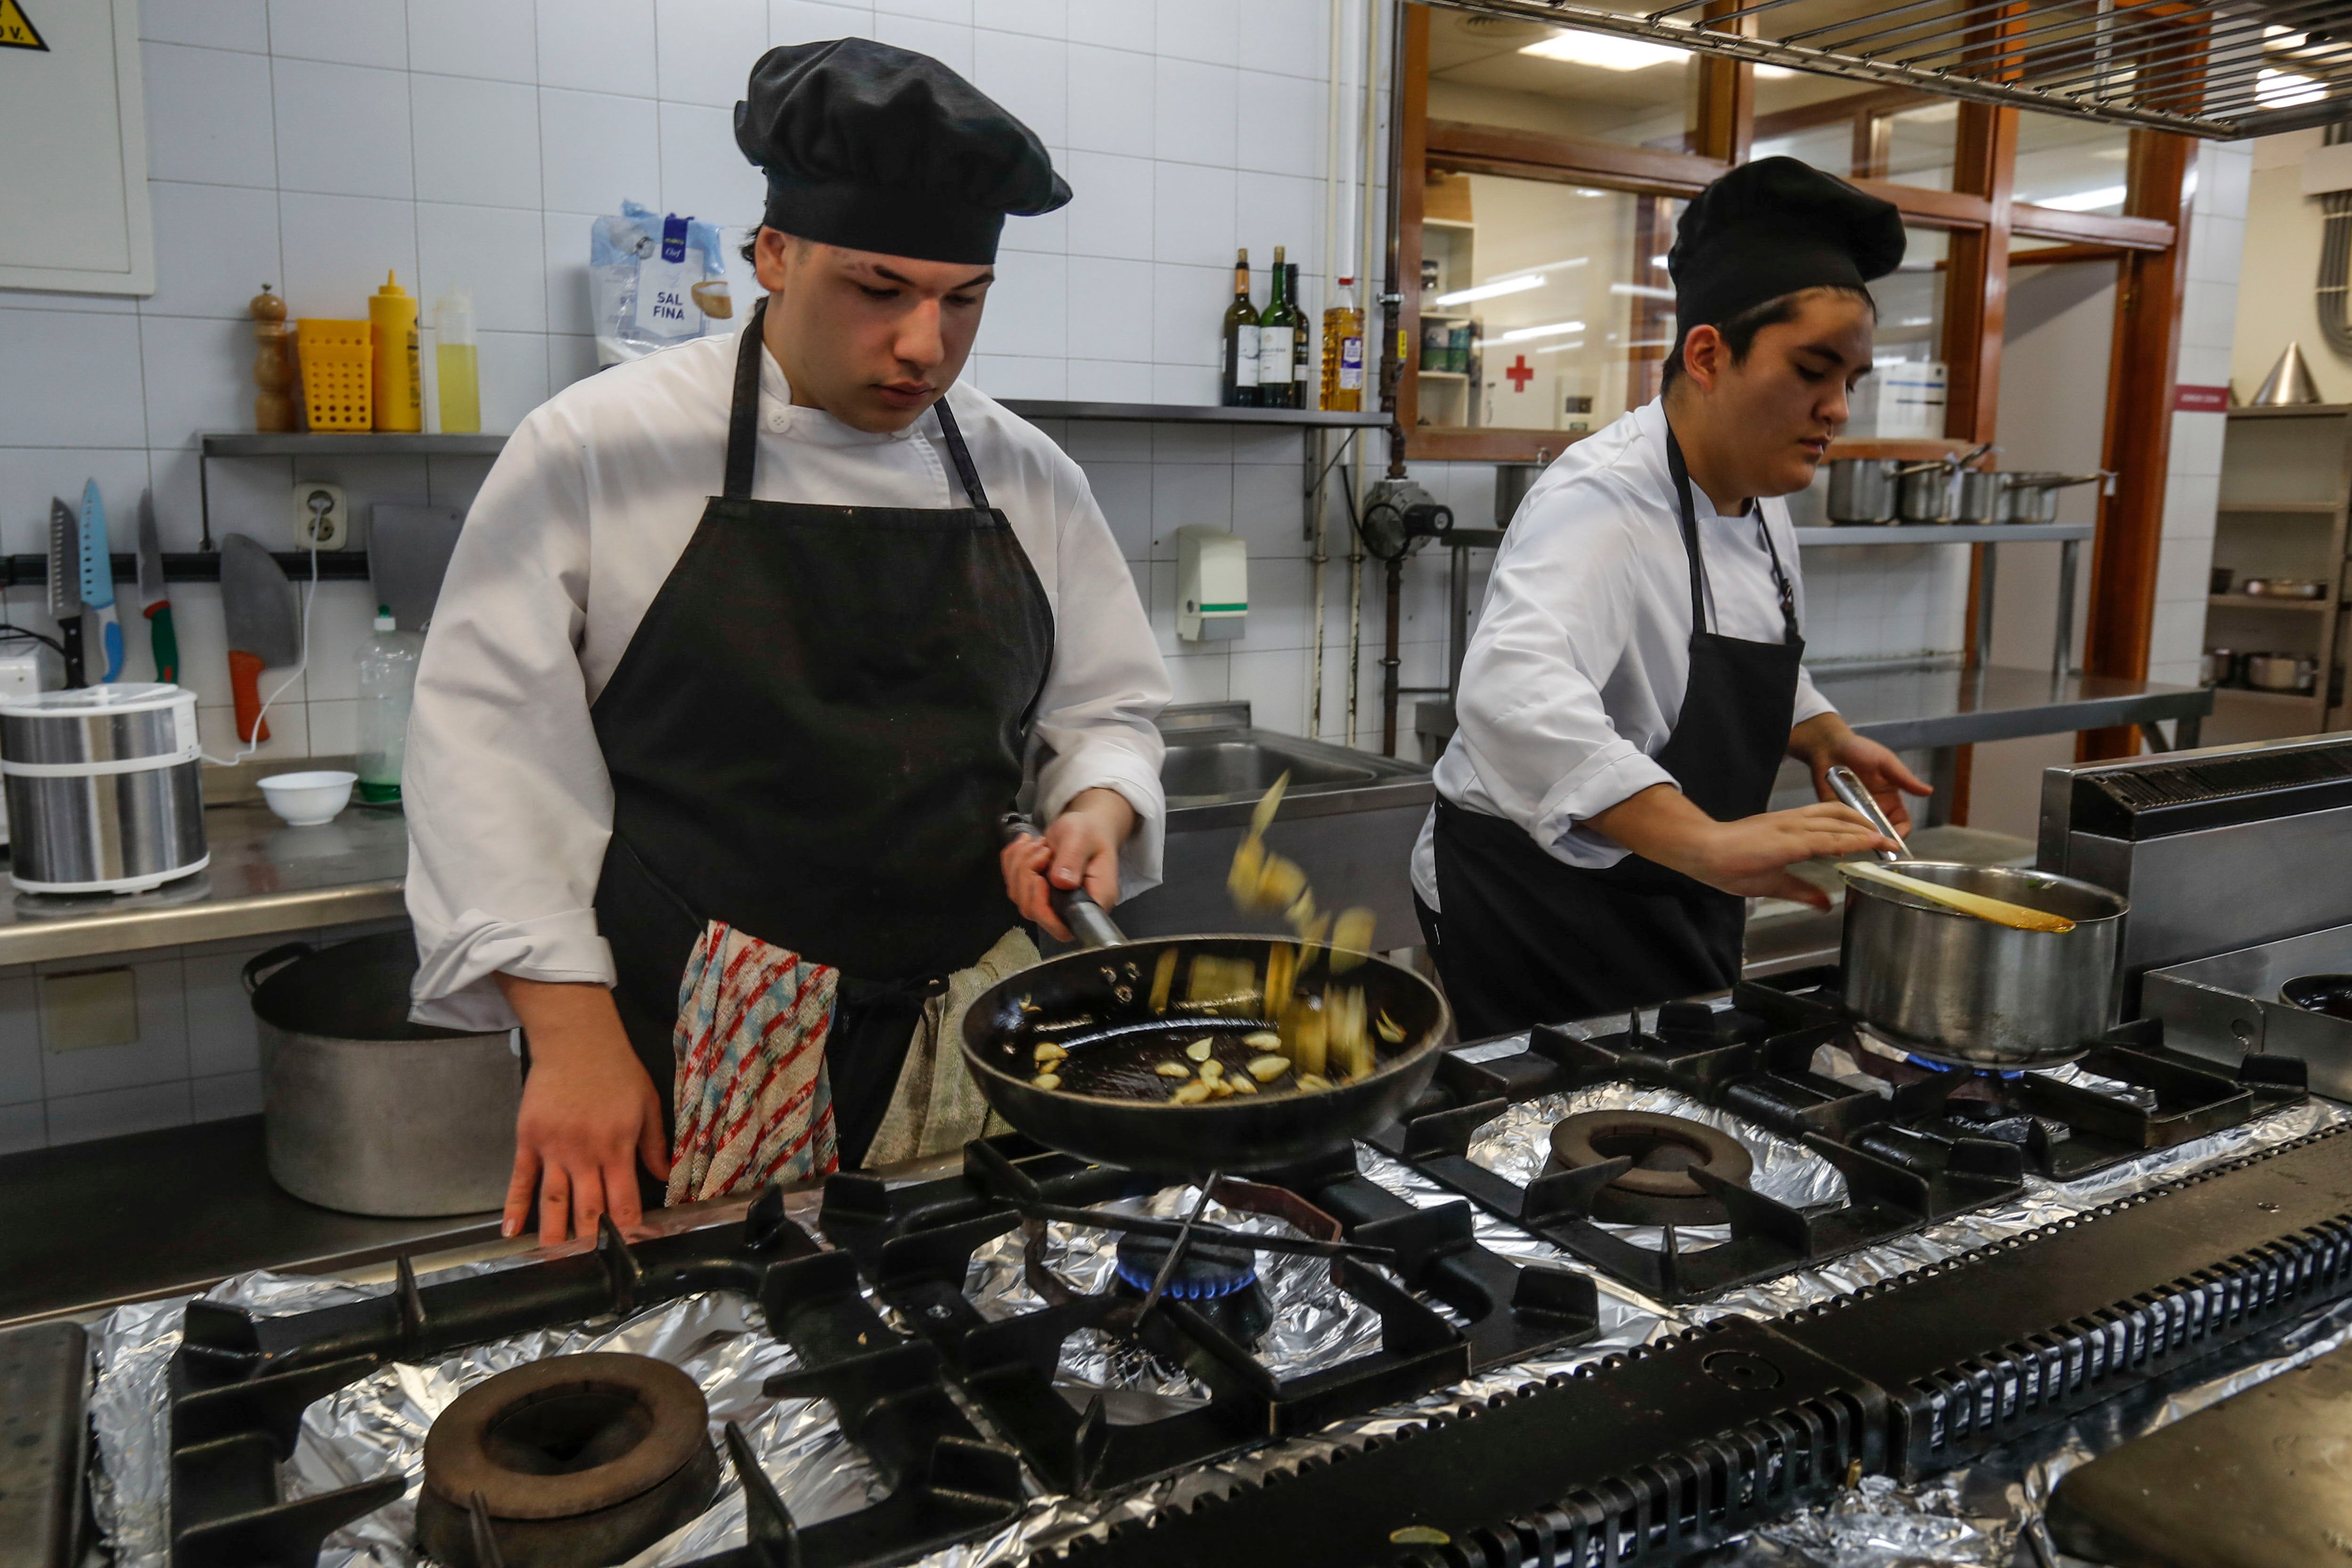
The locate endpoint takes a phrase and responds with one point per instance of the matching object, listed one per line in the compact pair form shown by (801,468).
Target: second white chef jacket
(588,508)
(1575,671)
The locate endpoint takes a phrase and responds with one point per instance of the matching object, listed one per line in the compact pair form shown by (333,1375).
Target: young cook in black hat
(1634,677)
(737,667)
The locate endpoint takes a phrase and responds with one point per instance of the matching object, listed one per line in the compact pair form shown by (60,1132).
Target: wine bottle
(1343,351)
(1302,345)
(1278,325)
(1240,363)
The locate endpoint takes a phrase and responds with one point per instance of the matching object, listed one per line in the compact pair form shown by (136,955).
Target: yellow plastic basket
(338,374)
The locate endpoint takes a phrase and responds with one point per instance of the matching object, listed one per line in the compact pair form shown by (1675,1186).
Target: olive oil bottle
(1343,351)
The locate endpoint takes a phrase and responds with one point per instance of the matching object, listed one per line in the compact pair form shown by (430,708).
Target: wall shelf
(1946,534)
(2296,508)
(1309,422)
(2283,537)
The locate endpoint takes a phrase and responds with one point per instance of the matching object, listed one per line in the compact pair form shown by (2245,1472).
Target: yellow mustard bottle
(399,395)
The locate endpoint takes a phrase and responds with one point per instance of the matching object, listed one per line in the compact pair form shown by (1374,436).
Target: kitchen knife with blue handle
(98,579)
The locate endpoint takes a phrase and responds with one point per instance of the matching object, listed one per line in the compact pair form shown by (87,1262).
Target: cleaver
(265,627)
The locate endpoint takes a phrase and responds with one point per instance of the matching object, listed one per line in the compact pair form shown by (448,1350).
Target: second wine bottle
(1277,332)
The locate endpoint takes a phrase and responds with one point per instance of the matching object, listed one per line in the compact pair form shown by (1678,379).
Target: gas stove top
(1600,1284)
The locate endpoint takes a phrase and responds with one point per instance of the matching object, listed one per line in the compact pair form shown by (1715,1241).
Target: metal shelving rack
(2067,536)
(2286,487)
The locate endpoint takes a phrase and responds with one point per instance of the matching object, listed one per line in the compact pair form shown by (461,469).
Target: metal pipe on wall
(1334,162)
(1368,153)
(1392,365)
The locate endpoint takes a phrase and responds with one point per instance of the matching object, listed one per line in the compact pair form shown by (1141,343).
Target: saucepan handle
(1087,920)
(1848,786)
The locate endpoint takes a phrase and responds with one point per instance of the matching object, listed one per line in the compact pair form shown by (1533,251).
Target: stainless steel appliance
(2227,847)
(2232,1003)
(103,787)
(361,1110)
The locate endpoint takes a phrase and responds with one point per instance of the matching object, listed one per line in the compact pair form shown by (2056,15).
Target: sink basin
(1196,773)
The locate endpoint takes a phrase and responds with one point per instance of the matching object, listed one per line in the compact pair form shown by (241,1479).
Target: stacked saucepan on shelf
(1943,491)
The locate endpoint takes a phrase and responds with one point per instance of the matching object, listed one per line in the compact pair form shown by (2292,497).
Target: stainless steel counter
(265,878)
(1929,708)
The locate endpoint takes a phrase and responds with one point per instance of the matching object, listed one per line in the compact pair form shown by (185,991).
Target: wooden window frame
(1978,213)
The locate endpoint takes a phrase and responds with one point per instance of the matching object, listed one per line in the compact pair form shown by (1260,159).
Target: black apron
(1524,938)
(812,737)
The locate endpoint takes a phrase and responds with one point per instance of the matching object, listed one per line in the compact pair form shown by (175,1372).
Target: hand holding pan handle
(1847,785)
(1087,920)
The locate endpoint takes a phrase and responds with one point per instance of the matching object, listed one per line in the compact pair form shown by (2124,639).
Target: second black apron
(811,738)
(1522,937)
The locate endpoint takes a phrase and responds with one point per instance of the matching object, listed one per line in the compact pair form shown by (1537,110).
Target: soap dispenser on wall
(1212,584)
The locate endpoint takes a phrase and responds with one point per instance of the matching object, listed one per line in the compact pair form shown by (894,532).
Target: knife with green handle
(155,599)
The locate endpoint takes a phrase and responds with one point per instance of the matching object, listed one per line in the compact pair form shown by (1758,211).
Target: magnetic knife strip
(1647,1457)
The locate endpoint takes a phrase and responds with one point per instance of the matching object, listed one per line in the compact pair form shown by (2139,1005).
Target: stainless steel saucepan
(1954,988)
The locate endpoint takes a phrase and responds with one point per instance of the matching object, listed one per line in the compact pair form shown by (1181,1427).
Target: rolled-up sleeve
(1096,717)
(508,802)
(1558,617)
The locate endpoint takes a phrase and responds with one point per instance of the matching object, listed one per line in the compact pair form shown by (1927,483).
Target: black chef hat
(876,148)
(1772,227)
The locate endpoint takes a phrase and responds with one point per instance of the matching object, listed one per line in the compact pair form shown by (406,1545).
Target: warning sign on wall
(17,29)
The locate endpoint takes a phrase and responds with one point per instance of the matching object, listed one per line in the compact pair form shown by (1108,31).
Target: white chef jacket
(1575,673)
(579,523)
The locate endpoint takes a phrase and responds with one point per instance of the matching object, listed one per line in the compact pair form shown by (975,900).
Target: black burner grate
(1909,1158)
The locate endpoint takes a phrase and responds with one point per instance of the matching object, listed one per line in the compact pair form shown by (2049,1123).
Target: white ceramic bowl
(307,800)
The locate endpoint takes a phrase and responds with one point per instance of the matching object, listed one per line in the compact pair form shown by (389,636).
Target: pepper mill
(273,372)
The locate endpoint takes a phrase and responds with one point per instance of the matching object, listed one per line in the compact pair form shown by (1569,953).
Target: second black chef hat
(1772,227)
(876,148)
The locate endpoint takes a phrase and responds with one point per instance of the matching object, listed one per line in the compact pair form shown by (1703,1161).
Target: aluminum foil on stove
(1517,1144)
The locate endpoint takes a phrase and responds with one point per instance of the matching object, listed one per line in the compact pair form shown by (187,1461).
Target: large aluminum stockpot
(104,788)
(1955,989)
(1862,489)
(365,1112)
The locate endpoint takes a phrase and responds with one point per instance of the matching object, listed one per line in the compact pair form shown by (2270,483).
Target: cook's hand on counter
(1082,845)
(1825,740)
(589,1115)
(1750,856)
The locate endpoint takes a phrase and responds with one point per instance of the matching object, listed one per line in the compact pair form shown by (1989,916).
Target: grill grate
(2229,70)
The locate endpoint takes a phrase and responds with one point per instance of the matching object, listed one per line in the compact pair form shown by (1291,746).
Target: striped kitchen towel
(753,1102)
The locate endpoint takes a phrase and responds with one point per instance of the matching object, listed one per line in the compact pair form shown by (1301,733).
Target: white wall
(313,144)
(2276,305)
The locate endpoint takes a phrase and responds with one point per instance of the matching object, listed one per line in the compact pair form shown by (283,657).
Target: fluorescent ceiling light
(1489,290)
(1641,291)
(2084,201)
(1608,51)
(1522,335)
(2285,89)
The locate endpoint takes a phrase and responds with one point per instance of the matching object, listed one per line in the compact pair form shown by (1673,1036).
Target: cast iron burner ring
(578,1459)
(1659,1189)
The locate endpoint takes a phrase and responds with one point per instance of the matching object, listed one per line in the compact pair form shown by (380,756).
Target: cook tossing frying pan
(1113,1107)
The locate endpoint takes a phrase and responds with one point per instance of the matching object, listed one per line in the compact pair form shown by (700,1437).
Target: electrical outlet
(321,520)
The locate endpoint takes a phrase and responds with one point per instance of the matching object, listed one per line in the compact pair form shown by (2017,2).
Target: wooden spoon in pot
(1848,787)
(2000,912)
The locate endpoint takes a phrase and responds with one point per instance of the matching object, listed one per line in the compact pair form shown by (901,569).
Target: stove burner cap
(579,1460)
(1209,1269)
(1659,1189)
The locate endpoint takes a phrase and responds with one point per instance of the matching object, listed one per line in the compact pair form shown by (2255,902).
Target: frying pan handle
(1087,920)
(1847,785)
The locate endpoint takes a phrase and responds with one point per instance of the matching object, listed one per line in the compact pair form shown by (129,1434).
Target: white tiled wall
(196,1057)
(314,143)
(2217,238)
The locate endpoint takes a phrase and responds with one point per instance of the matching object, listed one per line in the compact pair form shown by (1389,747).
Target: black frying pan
(1113,1108)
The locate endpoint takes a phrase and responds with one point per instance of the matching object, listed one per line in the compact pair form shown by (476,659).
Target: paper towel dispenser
(1212,584)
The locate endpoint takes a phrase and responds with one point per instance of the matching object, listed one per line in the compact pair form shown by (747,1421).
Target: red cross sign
(1521,372)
